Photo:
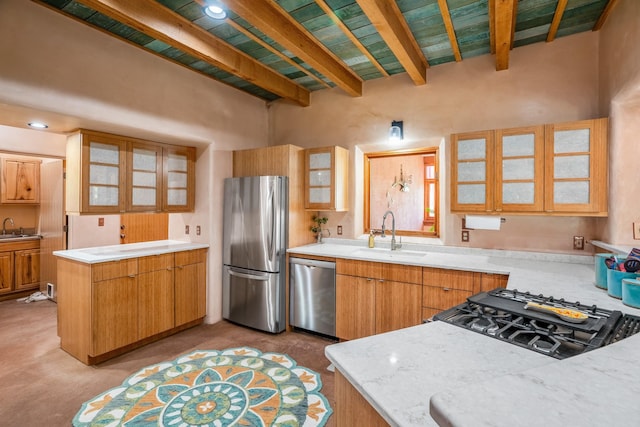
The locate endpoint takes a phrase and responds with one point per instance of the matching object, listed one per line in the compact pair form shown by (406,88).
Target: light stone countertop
(129,250)
(473,380)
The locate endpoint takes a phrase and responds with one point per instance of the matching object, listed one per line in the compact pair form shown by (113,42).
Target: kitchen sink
(18,236)
(388,253)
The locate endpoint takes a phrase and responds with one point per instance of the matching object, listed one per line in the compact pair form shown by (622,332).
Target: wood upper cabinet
(556,169)
(576,167)
(519,169)
(373,297)
(114,174)
(179,179)
(20,181)
(472,175)
(95,173)
(144,177)
(326,179)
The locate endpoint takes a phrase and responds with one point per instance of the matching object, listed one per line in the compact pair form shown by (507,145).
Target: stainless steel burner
(501,314)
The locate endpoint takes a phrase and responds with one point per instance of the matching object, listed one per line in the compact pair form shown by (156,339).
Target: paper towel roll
(482,222)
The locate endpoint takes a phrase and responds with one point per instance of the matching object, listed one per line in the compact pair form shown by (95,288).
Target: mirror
(407,184)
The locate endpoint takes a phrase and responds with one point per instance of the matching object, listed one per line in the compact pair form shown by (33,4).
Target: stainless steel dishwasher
(312,295)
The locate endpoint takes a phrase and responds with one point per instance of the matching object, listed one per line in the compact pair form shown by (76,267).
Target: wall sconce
(396,131)
(215,9)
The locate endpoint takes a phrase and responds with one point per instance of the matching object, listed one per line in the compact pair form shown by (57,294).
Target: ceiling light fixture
(396,132)
(38,125)
(215,9)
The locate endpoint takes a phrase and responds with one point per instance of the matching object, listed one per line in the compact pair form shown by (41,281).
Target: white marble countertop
(129,250)
(399,372)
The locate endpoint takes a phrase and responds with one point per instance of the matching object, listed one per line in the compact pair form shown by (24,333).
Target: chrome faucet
(394,245)
(4,224)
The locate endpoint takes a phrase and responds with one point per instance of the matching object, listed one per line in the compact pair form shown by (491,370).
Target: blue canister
(601,270)
(631,292)
(614,282)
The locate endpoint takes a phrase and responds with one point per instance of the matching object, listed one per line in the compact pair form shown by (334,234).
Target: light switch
(100,222)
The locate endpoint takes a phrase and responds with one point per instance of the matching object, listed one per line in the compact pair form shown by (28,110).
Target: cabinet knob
(122,236)
(122,226)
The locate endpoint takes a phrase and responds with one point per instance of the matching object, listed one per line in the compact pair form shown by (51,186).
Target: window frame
(367,188)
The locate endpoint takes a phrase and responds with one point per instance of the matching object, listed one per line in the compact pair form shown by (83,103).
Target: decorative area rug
(233,387)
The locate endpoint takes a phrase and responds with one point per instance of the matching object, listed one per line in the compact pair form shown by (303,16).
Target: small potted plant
(317,228)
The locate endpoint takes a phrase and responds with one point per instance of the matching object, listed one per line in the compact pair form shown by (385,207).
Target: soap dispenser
(372,242)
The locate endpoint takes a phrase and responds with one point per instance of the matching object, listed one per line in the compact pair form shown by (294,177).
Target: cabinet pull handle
(169,268)
(380,280)
(132,276)
(179,266)
(446,289)
(369,279)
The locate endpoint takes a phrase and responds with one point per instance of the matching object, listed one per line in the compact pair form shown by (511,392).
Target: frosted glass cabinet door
(576,167)
(472,171)
(520,169)
(104,162)
(144,179)
(325,178)
(179,179)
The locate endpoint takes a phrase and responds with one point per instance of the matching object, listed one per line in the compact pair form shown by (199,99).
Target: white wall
(65,71)
(620,97)
(545,83)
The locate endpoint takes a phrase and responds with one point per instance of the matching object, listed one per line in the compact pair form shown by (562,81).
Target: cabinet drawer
(114,269)
(191,257)
(443,298)
(451,279)
(155,263)
(380,270)
(428,312)
(349,267)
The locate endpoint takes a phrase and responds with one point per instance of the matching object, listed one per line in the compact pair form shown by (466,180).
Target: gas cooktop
(506,315)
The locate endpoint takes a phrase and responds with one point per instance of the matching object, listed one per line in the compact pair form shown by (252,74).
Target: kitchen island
(112,299)
(440,374)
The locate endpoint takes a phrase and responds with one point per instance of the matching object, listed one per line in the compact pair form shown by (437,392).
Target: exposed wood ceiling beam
(605,14)
(388,20)
(275,51)
(492,26)
(151,18)
(448,24)
(347,32)
(504,21)
(268,17)
(557,17)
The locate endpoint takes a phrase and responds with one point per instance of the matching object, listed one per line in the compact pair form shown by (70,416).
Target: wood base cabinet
(443,288)
(19,268)
(108,308)
(351,408)
(373,297)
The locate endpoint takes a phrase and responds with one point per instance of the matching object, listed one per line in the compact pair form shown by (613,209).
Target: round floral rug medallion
(233,387)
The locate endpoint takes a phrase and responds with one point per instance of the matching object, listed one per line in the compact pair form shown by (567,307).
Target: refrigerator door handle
(248,276)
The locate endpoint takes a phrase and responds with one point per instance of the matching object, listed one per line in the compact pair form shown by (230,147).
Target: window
(405,183)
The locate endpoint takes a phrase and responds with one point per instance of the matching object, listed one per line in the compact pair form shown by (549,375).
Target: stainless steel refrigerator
(254,251)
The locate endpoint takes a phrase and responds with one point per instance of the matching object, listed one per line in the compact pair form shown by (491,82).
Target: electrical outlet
(100,222)
(578,242)
(186,229)
(197,230)
(465,235)
(636,231)
(339,230)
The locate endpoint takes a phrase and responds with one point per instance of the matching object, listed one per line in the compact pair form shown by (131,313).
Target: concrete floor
(42,385)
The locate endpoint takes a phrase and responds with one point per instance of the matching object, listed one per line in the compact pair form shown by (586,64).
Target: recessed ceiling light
(215,10)
(38,125)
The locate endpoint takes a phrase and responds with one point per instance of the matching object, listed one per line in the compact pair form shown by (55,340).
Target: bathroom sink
(388,253)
